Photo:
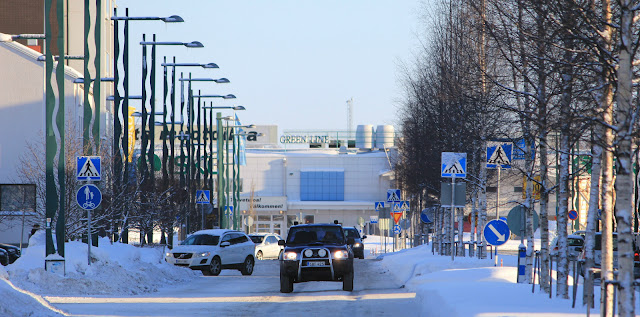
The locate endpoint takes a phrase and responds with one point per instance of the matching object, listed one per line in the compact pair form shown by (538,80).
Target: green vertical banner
(97,96)
(51,191)
(60,125)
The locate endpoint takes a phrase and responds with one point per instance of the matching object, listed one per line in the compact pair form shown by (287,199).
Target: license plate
(179,261)
(315,263)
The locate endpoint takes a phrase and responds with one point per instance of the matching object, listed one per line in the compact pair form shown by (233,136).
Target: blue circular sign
(424,216)
(89,197)
(503,219)
(573,215)
(496,232)
(397,229)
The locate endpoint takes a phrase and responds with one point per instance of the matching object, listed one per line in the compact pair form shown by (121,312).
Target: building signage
(263,203)
(300,139)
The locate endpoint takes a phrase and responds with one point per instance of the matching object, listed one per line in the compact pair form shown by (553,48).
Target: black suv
(316,252)
(357,245)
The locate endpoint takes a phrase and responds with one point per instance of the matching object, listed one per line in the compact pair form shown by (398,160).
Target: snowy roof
(214,232)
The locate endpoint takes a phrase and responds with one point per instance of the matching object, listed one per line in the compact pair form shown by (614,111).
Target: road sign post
(496,232)
(453,165)
(89,198)
(202,197)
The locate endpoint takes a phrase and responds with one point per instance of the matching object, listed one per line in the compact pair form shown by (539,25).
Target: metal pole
(453,212)
(125,121)
(152,119)
(89,242)
(220,169)
(226,182)
(497,210)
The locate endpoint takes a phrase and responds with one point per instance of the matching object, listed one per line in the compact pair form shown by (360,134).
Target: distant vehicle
(316,252)
(4,257)
(575,243)
(12,251)
(266,245)
(597,250)
(213,250)
(357,246)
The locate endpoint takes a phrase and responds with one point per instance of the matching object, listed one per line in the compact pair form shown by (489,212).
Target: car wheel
(259,255)
(286,283)
(347,282)
(215,267)
(247,266)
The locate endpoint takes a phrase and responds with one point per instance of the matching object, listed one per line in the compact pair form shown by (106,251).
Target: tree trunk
(544,215)
(562,289)
(594,200)
(606,264)
(624,172)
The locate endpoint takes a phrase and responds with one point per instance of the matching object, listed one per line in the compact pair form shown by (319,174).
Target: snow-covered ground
(463,287)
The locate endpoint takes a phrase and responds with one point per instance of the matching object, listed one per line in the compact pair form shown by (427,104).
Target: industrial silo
(364,136)
(384,136)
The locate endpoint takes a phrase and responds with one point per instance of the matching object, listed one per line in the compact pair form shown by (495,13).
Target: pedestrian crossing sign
(405,206)
(379,205)
(499,154)
(203,197)
(88,168)
(453,165)
(393,195)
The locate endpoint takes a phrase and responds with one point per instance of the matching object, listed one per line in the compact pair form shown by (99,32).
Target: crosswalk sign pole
(453,211)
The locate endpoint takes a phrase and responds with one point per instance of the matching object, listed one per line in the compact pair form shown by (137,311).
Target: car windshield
(574,242)
(201,239)
(315,235)
(352,233)
(257,239)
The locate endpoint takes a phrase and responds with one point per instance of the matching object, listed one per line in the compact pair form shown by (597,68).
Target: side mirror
(225,244)
(364,237)
(280,242)
(350,241)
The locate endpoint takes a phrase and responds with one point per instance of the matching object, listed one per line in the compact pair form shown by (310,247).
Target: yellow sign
(536,187)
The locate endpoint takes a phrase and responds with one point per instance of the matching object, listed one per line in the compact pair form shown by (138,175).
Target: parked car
(357,246)
(4,257)
(316,252)
(266,245)
(12,251)
(575,243)
(213,250)
(597,250)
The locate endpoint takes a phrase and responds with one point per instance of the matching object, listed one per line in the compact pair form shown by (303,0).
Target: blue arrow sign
(424,216)
(88,168)
(379,205)
(496,232)
(89,197)
(397,229)
(203,196)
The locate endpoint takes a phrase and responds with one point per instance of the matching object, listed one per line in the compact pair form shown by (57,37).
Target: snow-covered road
(376,293)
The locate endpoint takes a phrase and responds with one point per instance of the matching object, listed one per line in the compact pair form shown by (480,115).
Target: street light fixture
(12,37)
(121,140)
(208,65)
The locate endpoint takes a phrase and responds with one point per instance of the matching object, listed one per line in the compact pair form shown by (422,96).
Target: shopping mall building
(314,177)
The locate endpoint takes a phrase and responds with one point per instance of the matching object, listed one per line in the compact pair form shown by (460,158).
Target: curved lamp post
(120,139)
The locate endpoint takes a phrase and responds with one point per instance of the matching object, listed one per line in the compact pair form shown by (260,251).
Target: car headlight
(168,254)
(357,245)
(292,256)
(308,253)
(341,254)
(204,254)
(322,253)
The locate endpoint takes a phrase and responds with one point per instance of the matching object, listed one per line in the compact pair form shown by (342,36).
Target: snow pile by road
(116,269)
(472,287)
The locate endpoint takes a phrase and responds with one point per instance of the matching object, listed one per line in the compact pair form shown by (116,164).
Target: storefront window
(309,219)
(290,220)
(264,218)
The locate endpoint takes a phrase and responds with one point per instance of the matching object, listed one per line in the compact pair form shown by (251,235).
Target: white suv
(213,250)
(267,245)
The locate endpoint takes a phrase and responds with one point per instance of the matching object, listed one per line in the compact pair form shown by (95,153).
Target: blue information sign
(89,197)
(88,168)
(379,205)
(496,232)
(203,196)
(397,229)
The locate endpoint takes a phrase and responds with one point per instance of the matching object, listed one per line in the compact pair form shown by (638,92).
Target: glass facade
(322,185)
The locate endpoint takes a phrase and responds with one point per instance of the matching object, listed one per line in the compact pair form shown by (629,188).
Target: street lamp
(121,147)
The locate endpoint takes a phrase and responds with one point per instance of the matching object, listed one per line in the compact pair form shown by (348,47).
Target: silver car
(266,245)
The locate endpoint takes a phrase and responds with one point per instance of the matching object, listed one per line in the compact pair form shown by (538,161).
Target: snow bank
(116,269)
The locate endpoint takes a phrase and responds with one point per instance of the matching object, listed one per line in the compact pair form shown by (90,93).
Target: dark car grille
(182,255)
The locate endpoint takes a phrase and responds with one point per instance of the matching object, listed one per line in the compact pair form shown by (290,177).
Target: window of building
(322,185)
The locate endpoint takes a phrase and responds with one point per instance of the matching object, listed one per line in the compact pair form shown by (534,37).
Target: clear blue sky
(292,63)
